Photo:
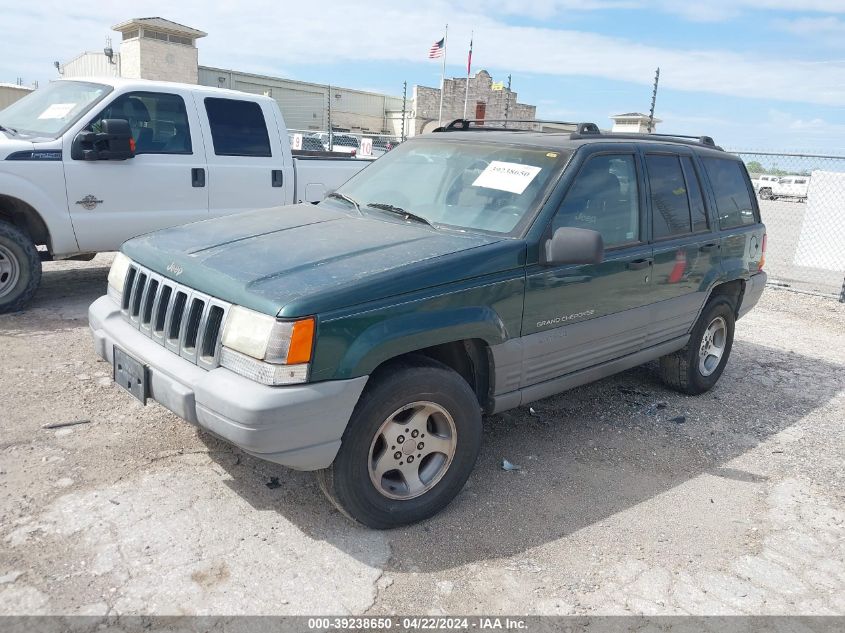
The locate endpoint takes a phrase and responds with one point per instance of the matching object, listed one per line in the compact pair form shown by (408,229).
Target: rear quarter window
(733,197)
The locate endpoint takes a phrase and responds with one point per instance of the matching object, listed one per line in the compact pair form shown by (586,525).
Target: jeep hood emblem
(174,268)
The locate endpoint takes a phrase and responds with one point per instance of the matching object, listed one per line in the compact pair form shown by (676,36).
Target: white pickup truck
(792,187)
(87,164)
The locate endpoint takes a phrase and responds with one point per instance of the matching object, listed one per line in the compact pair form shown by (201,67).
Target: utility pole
(507,100)
(653,101)
(404,102)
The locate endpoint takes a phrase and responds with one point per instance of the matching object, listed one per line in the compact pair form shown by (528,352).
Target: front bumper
(753,291)
(297,426)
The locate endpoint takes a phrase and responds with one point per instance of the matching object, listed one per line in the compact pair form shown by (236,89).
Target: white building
(633,122)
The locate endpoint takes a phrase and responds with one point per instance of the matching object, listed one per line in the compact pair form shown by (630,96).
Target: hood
(10,145)
(305,259)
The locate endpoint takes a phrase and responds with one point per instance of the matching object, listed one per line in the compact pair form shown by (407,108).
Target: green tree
(755,167)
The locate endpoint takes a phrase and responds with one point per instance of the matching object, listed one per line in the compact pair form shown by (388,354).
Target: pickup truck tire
(20,268)
(766,193)
(697,367)
(409,447)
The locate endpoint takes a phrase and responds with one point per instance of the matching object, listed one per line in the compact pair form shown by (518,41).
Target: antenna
(653,101)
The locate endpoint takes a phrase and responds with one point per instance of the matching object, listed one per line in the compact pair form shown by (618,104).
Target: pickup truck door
(246,157)
(577,316)
(163,185)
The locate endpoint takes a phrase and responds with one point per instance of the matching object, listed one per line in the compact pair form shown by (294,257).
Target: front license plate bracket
(130,374)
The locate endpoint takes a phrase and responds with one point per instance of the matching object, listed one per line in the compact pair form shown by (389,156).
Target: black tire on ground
(766,193)
(681,370)
(347,482)
(20,260)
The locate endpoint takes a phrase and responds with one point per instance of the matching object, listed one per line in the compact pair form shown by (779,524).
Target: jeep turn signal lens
(301,342)
(762,254)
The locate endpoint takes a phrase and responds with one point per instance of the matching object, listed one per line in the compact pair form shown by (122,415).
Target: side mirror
(113,142)
(570,245)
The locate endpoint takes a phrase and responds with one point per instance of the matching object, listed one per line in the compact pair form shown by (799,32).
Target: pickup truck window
(604,198)
(158,120)
(733,199)
(237,128)
(469,185)
(670,208)
(49,111)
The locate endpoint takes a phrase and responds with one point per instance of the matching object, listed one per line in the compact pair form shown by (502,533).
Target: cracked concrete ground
(631,498)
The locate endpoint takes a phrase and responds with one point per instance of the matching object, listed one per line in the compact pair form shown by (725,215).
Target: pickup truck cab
(467,271)
(87,164)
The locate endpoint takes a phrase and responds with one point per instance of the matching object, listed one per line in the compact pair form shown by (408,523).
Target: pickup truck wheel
(697,367)
(20,268)
(409,447)
(766,193)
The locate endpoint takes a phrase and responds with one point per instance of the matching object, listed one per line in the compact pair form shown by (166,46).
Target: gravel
(630,498)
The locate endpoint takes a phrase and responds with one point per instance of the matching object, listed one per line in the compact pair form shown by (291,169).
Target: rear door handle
(708,247)
(277,178)
(198,177)
(639,264)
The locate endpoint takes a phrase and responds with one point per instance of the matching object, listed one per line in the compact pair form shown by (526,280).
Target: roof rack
(582,130)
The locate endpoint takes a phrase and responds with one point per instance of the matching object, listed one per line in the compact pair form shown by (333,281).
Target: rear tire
(20,268)
(409,447)
(697,367)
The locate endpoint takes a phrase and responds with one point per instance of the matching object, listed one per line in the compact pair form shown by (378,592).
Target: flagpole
(443,77)
(469,63)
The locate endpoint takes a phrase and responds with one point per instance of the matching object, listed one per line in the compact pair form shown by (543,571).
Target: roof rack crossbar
(467,124)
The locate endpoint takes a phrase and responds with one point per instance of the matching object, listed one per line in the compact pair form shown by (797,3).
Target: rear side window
(604,198)
(237,128)
(733,200)
(669,203)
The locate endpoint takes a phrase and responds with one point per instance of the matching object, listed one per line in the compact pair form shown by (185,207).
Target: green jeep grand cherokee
(466,272)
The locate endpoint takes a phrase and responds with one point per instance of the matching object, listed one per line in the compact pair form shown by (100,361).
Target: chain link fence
(802,202)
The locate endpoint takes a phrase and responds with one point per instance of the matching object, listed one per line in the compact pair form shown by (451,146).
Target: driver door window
(604,198)
(158,121)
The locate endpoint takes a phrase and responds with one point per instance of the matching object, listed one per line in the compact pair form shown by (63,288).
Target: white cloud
(830,30)
(271,34)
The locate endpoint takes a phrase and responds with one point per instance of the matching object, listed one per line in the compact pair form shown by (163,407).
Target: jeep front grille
(178,318)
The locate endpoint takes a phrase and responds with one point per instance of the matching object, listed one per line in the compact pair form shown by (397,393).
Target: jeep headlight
(265,349)
(117,276)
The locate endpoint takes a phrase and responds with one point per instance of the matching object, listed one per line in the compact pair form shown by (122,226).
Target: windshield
(469,185)
(50,110)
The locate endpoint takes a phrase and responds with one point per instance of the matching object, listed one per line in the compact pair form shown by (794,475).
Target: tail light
(763,254)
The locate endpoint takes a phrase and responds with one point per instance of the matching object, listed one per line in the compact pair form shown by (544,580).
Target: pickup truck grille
(180,319)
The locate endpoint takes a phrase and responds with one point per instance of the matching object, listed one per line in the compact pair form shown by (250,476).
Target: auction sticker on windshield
(503,176)
(57,111)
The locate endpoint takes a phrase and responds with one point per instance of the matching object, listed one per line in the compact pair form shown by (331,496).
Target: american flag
(437,49)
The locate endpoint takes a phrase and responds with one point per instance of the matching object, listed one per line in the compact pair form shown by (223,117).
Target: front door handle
(277,178)
(639,264)
(704,248)
(198,177)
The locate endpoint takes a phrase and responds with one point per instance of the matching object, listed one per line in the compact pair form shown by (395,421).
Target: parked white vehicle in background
(763,185)
(793,187)
(87,164)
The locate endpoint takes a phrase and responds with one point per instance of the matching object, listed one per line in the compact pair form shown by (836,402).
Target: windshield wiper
(399,211)
(3,128)
(345,198)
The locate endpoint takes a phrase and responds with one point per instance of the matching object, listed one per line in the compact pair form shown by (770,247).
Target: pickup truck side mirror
(113,142)
(570,245)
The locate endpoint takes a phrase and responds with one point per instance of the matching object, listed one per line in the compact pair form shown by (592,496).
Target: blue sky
(754,74)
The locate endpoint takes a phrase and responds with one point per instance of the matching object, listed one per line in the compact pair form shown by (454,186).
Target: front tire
(697,367)
(409,447)
(20,268)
